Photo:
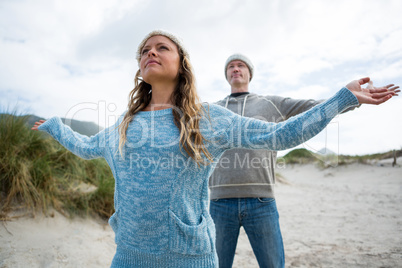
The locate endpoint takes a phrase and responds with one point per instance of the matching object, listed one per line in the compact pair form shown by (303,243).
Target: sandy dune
(348,216)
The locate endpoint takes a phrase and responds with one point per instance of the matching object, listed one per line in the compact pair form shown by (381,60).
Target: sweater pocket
(190,239)
(113,221)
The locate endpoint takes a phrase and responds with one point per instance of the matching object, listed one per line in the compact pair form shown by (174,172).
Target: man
(242,185)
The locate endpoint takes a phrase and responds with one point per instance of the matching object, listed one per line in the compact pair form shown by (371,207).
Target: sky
(76,58)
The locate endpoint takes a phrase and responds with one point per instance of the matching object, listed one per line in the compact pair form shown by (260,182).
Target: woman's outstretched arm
(80,145)
(256,134)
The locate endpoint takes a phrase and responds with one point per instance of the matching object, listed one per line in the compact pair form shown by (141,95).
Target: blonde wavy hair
(187,110)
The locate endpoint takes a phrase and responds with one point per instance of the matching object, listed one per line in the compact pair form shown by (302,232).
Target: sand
(55,242)
(345,216)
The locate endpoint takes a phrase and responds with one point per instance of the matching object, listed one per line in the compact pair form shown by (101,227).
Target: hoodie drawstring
(244,104)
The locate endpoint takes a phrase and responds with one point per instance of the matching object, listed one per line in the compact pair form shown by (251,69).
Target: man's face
(237,73)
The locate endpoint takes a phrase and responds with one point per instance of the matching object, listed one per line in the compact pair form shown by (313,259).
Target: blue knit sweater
(161,214)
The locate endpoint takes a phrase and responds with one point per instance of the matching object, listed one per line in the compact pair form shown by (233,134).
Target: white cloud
(371,129)
(290,70)
(309,92)
(390,46)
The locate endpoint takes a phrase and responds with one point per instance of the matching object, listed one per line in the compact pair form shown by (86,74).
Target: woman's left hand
(372,94)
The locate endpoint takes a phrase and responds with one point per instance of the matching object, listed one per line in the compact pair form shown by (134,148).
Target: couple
(161,217)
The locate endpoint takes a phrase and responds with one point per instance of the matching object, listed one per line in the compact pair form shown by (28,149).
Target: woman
(164,148)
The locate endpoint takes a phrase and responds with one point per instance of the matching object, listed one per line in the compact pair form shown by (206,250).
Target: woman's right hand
(37,124)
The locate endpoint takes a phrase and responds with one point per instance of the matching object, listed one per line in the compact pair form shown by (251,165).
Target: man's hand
(372,94)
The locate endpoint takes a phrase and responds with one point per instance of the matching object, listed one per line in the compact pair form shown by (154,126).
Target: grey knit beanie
(242,58)
(172,37)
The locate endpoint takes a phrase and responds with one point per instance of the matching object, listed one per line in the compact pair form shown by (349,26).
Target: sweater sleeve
(290,107)
(80,145)
(256,134)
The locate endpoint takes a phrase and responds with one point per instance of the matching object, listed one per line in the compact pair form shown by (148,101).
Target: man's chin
(237,79)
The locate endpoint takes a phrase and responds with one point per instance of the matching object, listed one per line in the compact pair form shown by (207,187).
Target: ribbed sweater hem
(131,258)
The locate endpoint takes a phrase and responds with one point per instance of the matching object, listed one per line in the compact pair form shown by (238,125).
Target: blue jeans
(259,218)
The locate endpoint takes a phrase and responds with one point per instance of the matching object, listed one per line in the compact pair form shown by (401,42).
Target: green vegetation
(299,156)
(365,159)
(303,156)
(37,173)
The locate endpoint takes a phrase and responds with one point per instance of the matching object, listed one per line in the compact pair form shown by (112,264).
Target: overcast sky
(76,58)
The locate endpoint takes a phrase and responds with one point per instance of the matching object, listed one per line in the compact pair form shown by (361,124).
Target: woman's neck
(161,98)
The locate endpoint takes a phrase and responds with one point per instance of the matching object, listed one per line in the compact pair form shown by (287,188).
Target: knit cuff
(50,124)
(346,99)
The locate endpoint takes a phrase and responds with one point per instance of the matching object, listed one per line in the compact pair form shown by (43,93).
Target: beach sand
(55,242)
(345,216)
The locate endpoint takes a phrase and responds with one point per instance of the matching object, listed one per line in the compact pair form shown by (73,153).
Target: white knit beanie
(172,37)
(242,58)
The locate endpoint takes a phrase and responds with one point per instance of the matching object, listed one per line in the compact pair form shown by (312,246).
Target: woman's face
(160,60)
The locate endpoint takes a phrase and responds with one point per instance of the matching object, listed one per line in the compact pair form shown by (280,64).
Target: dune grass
(304,156)
(37,173)
(299,156)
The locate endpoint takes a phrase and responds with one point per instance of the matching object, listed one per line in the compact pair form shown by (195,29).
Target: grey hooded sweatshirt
(245,173)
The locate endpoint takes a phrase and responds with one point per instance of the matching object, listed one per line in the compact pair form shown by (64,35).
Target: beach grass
(304,156)
(37,173)
(299,156)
